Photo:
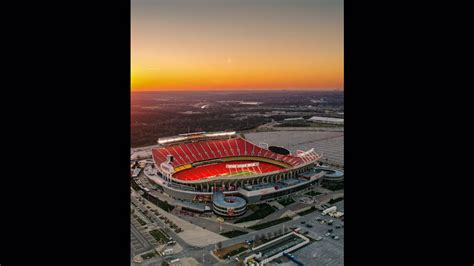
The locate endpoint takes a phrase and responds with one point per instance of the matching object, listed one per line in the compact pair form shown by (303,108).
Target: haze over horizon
(218,45)
(243,90)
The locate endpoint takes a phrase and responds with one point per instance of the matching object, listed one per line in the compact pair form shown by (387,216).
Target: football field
(241,173)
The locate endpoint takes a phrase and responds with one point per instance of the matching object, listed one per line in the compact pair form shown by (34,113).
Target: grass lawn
(312,209)
(242,173)
(252,207)
(334,187)
(287,201)
(272,223)
(233,233)
(313,193)
(140,221)
(231,250)
(235,252)
(332,201)
(261,211)
(164,205)
(158,236)
(148,255)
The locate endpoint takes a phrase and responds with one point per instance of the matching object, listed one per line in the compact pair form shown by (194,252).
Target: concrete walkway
(211,224)
(276,204)
(325,198)
(286,211)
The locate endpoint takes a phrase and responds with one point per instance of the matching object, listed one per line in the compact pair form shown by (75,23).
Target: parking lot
(330,144)
(136,245)
(327,251)
(140,239)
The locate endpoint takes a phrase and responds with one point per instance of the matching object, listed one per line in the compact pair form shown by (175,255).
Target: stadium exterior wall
(250,196)
(206,185)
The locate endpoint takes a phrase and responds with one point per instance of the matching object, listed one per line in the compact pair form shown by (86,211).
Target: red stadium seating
(185,153)
(219,169)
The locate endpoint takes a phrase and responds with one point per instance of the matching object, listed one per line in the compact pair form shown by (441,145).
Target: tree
(280,232)
(269,235)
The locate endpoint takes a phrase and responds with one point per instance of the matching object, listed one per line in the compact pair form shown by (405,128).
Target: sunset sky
(237,44)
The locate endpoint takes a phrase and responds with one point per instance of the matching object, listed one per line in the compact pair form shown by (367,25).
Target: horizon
(244,90)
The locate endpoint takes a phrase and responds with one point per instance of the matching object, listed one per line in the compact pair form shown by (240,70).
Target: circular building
(228,206)
(331,175)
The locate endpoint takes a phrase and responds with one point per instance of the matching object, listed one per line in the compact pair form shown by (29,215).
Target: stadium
(229,171)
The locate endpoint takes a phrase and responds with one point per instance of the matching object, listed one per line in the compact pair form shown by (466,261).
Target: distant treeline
(161,114)
(147,133)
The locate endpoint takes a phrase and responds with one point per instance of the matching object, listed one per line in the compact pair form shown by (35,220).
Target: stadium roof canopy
(326,119)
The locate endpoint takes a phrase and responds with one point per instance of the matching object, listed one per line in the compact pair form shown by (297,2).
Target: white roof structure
(327,119)
(293,119)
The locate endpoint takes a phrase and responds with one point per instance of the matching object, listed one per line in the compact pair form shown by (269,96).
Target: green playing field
(242,173)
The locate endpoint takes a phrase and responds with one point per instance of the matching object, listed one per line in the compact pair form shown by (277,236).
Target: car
(338,226)
(335,237)
(309,225)
(318,238)
(303,222)
(319,219)
(327,234)
(330,230)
